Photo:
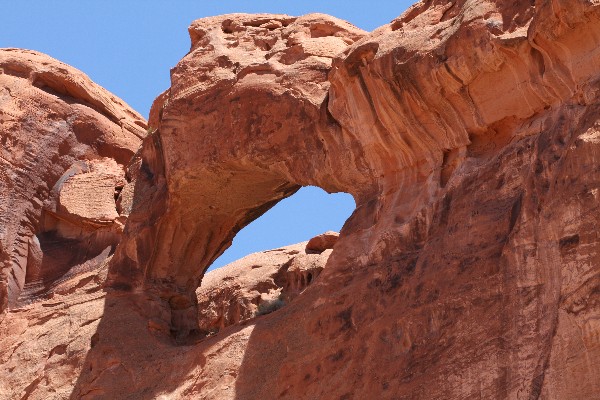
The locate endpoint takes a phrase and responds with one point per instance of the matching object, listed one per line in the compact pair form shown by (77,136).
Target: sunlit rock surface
(468,133)
(256,285)
(64,145)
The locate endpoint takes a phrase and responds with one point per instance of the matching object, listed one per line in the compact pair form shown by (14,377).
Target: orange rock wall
(467,133)
(56,127)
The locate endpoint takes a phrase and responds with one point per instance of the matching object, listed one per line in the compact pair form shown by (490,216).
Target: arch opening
(290,245)
(307,213)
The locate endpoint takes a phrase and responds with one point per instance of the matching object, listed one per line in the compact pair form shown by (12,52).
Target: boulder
(322,242)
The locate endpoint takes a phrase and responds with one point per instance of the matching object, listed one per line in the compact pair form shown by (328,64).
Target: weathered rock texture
(240,128)
(322,242)
(44,344)
(468,133)
(64,146)
(256,285)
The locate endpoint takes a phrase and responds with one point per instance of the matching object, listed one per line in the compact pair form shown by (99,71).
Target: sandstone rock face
(64,145)
(258,84)
(458,129)
(256,285)
(468,133)
(43,345)
(44,359)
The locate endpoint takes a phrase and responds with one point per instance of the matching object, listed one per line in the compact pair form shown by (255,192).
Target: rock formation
(259,84)
(256,285)
(322,242)
(44,343)
(64,145)
(468,133)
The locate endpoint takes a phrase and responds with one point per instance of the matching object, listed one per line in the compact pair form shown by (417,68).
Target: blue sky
(129,46)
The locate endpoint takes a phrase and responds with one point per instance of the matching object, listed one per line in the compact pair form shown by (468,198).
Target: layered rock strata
(238,130)
(458,129)
(65,143)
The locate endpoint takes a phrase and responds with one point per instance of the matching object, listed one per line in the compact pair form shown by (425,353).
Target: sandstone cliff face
(45,343)
(64,145)
(468,132)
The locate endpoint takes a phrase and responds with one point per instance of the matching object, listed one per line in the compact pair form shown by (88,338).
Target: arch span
(237,132)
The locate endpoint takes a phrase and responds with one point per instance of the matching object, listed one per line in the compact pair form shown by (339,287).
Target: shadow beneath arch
(127,359)
(130,358)
(133,354)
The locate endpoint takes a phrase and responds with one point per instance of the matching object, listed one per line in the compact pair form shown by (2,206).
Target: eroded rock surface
(256,285)
(64,145)
(468,133)
(239,129)
(44,345)
(458,129)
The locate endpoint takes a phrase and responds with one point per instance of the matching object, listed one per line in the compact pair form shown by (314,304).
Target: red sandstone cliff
(467,133)
(64,145)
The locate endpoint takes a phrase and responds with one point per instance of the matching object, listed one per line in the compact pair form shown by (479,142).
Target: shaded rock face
(44,343)
(66,346)
(64,146)
(468,134)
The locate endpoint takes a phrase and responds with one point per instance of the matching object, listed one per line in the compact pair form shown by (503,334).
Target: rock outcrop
(65,143)
(44,344)
(322,242)
(239,129)
(468,133)
(256,285)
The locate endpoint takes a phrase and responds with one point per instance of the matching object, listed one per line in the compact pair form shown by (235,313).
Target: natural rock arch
(262,105)
(237,132)
(471,144)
